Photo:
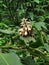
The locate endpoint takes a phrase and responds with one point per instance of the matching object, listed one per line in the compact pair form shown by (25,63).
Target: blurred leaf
(3,25)
(40,25)
(28,61)
(31,15)
(7,31)
(1,1)
(46,46)
(28,39)
(9,59)
(4,5)
(37,1)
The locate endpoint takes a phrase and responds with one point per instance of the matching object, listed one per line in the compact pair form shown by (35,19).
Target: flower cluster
(26,28)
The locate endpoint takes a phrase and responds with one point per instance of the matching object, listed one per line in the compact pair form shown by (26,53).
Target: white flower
(25,33)
(25,28)
(21,31)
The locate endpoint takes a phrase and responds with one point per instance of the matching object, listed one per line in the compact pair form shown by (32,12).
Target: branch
(35,51)
(12,47)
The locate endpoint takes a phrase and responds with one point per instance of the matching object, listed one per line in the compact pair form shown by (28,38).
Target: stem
(11,47)
(34,50)
(20,48)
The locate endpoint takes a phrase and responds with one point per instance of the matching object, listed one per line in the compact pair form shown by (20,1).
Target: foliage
(24,50)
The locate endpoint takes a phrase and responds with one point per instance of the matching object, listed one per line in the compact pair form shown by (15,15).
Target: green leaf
(28,61)
(9,59)
(40,25)
(31,15)
(7,31)
(28,39)
(32,23)
(3,25)
(46,46)
(1,1)
(37,1)
(4,5)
